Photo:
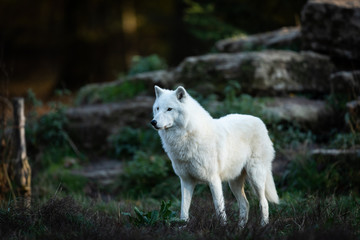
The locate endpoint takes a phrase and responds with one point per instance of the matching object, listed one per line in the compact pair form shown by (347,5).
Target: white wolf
(206,150)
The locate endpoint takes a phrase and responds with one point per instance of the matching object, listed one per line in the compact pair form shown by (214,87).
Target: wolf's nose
(153,122)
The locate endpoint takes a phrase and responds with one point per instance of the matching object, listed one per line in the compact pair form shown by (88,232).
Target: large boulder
(286,37)
(332,27)
(91,125)
(269,71)
(302,111)
(124,88)
(346,81)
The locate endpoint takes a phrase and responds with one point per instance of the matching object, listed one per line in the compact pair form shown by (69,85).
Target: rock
(142,83)
(332,27)
(286,37)
(90,125)
(161,78)
(103,172)
(305,112)
(324,157)
(345,81)
(269,71)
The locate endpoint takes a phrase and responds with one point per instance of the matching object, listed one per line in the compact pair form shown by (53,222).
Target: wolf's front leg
(218,198)
(187,189)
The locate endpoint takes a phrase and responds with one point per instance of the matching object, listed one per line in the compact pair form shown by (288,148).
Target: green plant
(52,172)
(106,93)
(345,140)
(309,174)
(163,216)
(146,64)
(128,141)
(242,103)
(287,136)
(50,129)
(144,173)
(205,25)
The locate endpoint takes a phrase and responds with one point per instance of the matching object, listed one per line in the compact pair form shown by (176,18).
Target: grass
(64,218)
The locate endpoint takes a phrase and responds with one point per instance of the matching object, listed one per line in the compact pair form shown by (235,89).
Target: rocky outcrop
(305,112)
(90,125)
(270,71)
(142,83)
(332,27)
(161,78)
(103,172)
(345,81)
(284,38)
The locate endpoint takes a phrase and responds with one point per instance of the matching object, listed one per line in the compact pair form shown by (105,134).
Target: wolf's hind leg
(257,176)
(237,187)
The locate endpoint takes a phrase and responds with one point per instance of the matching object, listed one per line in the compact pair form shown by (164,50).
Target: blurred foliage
(92,94)
(146,64)
(308,175)
(125,88)
(46,130)
(129,140)
(52,173)
(345,140)
(204,25)
(145,175)
(213,20)
(51,151)
(252,16)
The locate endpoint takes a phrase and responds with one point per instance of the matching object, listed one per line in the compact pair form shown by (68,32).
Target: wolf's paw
(242,223)
(264,222)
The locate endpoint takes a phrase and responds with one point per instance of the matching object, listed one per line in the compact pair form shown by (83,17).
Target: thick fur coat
(206,150)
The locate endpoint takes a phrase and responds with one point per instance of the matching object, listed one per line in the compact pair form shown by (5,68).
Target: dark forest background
(47,45)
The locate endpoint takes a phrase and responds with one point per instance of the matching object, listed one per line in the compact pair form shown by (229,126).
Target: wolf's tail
(270,190)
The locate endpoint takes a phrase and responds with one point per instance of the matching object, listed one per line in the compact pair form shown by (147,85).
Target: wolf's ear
(158,91)
(180,93)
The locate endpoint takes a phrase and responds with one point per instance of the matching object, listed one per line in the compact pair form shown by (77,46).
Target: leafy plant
(129,140)
(163,216)
(345,140)
(205,25)
(106,93)
(143,173)
(315,174)
(287,136)
(146,64)
(50,129)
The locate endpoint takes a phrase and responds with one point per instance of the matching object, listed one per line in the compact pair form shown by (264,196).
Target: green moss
(91,94)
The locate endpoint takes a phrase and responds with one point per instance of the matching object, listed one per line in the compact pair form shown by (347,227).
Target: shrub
(95,93)
(309,174)
(203,23)
(144,174)
(128,141)
(146,64)
(345,140)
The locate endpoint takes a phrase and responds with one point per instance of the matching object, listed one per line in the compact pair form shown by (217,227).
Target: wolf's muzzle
(154,123)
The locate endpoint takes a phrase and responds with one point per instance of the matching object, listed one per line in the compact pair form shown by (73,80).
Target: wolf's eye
(169,109)
(157,108)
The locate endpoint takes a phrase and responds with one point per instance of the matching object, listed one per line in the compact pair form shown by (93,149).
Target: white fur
(206,150)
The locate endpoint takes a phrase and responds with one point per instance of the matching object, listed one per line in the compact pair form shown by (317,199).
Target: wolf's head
(168,108)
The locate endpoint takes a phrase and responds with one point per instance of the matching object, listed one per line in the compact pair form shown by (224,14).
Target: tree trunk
(20,164)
